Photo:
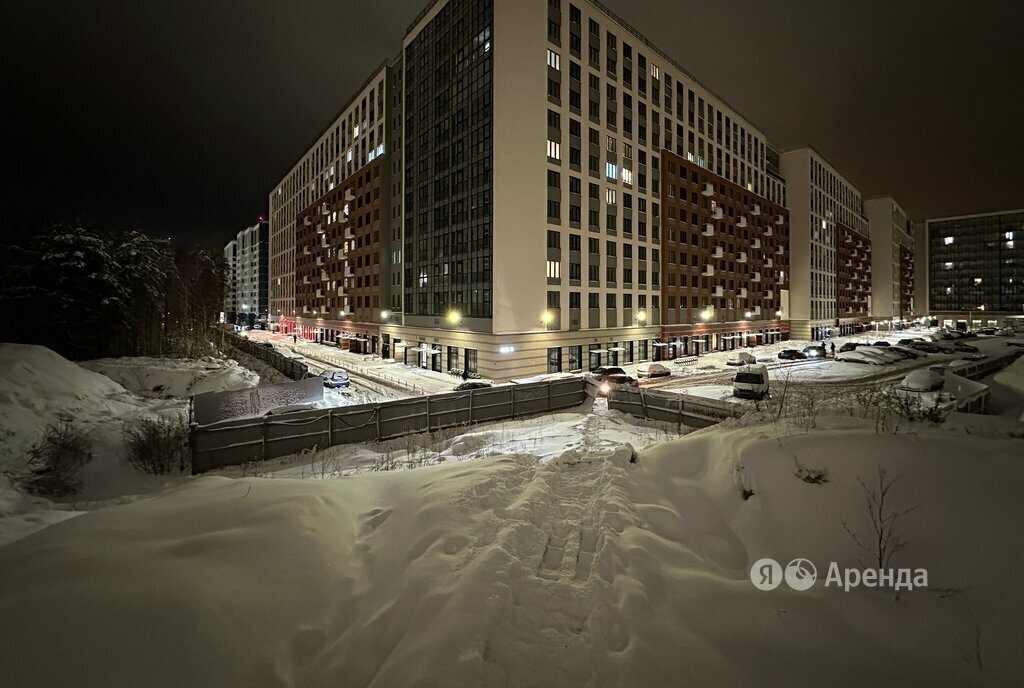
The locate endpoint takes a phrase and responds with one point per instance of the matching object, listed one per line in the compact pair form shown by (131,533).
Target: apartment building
(822,204)
(358,134)
(725,262)
(532,131)
(974,268)
(854,257)
(892,277)
(246,300)
(341,272)
(230,297)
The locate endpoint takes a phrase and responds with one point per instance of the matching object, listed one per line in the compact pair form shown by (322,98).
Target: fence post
(330,427)
(376,414)
(513,389)
(428,414)
(643,402)
(549,395)
(680,410)
(263,440)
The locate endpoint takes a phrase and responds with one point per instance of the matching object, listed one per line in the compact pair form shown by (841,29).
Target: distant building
(892,251)
(830,248)
(246,300)
(974,268)
(230,294)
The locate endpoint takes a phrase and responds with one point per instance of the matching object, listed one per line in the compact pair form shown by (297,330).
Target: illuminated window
(554,150)
(554,269)
(627,178)
(611,171)
(554,60)
(948,241)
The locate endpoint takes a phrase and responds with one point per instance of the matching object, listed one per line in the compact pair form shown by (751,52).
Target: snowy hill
(505,571)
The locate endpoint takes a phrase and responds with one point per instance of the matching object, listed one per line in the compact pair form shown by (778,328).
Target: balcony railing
(709,189)
(717,215)
(709,229)
(756,210)
(741,222)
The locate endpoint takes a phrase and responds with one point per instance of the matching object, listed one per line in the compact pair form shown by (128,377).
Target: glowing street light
(454,317)
(705,314)
(384,315)
(641,316)
(547,317)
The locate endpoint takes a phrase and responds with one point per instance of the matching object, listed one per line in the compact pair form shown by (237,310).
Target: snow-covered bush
(55,461)
(157,445)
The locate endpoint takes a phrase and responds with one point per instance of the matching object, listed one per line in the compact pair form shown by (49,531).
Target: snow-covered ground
(579,548)
(583,570)
(167,378)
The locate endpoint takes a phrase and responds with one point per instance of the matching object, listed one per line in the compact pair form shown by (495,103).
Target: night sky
(178,117)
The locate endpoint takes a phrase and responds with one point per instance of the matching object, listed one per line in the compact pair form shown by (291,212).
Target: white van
(751,382)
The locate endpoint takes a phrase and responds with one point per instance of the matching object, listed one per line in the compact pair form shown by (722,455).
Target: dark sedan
(473,384)
(791,355)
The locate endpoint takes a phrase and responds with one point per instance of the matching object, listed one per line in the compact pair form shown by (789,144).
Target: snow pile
(166,378)
(586,570)
(37,385)
(1012,376)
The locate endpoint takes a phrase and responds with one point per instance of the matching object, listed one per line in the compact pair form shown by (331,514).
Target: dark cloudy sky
(179,117)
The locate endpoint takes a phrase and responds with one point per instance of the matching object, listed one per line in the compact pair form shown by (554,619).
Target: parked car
(850,346)
(907,352)
(926,347)
(881,352)
(814,351)
(335,378)
(741,358)
(611,381)
(859,357)
(751,382)
(791,355)
(974,357)
(923,381)
(601,373)
(652,370)
(969,348)
(987,330)
(472,384)
(1015,342)
(330,342)
(1005,332)
(970,334)
(881,342)
(289,408)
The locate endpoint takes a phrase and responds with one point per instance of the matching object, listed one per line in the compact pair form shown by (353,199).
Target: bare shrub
(55,461)
(157,445)
(885,540)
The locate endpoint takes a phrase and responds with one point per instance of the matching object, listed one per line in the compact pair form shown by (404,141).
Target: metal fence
(682,409)
(296,370)
(236,441)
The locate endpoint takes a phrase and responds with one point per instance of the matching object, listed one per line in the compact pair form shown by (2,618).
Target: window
(609,196)
(627,176)
(554,60)
(611,171)
(553,269)
(948,240)
(554,150)
(611,144)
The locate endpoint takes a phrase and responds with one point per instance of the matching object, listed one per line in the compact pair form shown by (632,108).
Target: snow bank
(586,570)
(37,385)
(1012,376)
(166,378)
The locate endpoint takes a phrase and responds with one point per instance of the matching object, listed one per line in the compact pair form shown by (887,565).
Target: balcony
(718,291)
(305,250)
(779,220)
(756,277)
(319,293)
(319,260)
(779,251)
(849,263)
(741,222)
(768,231)
(848,239)
(717,252)
(742,293)
(341,291)
(348,269)
(709,189)
(324,277)
(324,210)
(709,229)
(305,279)
(349,196)
(717,215)
(307,221)
(768,296)
(741,258)
(755,243)
(756,210)
(708,271)
(768,262)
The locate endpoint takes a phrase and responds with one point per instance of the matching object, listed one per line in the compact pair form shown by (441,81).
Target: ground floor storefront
(694,340)
(357,337)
